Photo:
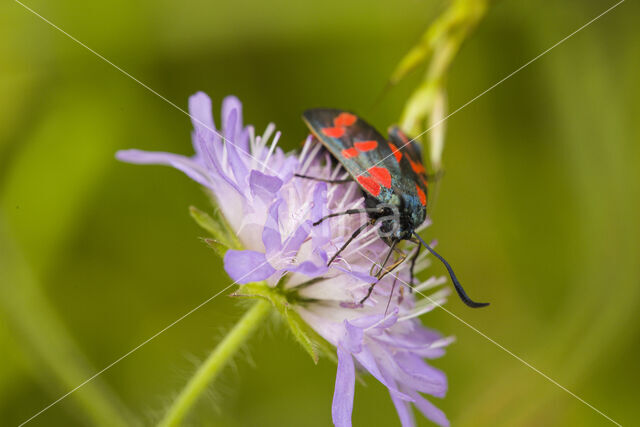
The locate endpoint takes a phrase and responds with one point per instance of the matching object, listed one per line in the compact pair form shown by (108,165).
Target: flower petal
(342,406)
(429,410)
(205,134)
(235,153)
(353,337)
(264,186)
(271,237)
(410,374)
(368,361)
(295,240)
(403,407)
(200,113)
(321,233)
(191,168)
(247,266)
(232,105)
(420,370)
(308,268)
(364,277)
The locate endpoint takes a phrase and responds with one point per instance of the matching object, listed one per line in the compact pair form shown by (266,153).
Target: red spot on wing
(417,167)
(366,145)
(397,153)
(335,132)
(369,184)
(421,195)
(381,176)
(348,153)
(344,119)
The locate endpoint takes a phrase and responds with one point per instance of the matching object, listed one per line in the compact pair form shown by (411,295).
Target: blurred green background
(538,210)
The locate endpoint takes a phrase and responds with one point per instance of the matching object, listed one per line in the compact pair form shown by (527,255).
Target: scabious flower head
(271,213)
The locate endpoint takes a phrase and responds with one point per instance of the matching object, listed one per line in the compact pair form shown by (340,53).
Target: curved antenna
(461,293)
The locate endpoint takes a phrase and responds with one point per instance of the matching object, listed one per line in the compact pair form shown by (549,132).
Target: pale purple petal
(208,152)
(288,168)
(368,361)
(235,154)
(294,241)
(429,410)
(202,119)
(416,380)
(200,112)
(321,233)
(271,237)
(230,105)
(403,408)
(364,277)
(247,266)
(417,368)
(342,405)
(308,268)
(192,169)
(264,186)
(353,337)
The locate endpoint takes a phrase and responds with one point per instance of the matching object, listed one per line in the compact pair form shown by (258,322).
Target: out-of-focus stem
(215,362)
(426,108)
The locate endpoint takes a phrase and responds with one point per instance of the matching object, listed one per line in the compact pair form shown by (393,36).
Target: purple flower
(270,212)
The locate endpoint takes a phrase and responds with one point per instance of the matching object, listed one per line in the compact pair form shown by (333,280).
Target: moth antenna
(459,289)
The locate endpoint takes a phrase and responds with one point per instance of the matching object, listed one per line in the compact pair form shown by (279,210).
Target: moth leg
(349,240)
(330,181)
(383,272)
(347,212)
(414,258)
(384,263)
(373,285)
(393,287)
(393,266)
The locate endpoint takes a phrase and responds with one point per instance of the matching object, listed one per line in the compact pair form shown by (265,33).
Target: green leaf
(298,327)
(218,227)
(218,247)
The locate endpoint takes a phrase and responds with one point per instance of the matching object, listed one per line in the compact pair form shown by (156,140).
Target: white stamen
(305,149)
(442,342)
(268,131)
(271,149)
(431,283)
(312,156)
(426,305)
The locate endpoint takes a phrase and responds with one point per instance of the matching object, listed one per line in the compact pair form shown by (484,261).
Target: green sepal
(297,327)
(217,246)
(218,227)
(309,339)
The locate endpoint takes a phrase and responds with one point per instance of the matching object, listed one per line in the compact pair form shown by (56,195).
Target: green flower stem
(215,362)
(426,107)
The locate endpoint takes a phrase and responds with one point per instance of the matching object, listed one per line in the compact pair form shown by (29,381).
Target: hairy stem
(215,362)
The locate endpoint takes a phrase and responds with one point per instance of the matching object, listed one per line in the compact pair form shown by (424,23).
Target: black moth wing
(411,163)
(361,164)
